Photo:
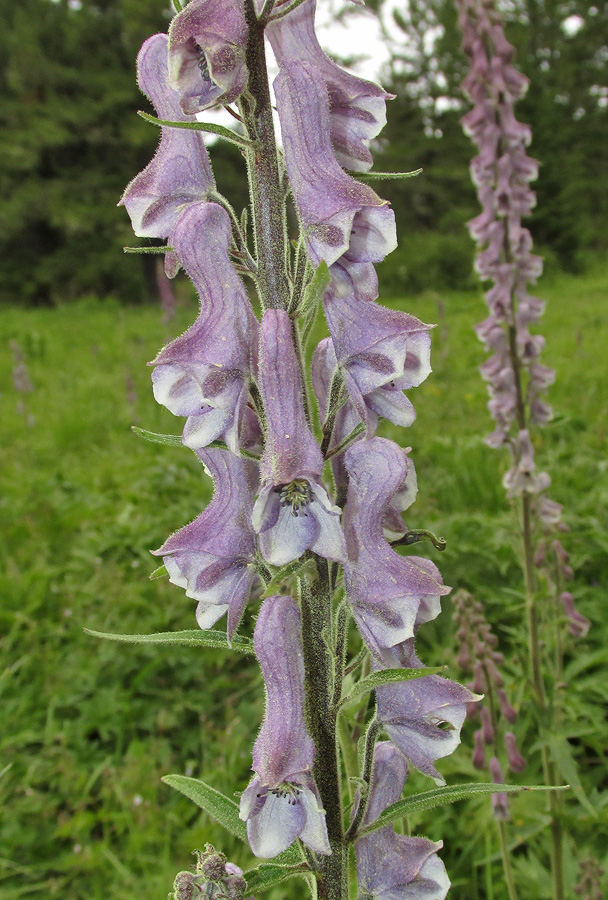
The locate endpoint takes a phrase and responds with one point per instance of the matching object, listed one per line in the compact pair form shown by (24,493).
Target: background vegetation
(89,728)
(70,141)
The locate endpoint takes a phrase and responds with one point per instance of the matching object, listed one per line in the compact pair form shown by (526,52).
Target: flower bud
(486,724)
(516,761)
(505,707)
(479,753)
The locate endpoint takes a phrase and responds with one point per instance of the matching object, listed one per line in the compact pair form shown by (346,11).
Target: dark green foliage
(89,727)
(69,142)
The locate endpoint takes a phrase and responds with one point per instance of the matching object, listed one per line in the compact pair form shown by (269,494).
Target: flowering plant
(306,514)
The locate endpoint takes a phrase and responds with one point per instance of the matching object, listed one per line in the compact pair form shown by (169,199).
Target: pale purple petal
(389,593)
(207,41)
(212,556)
(203,374)
(357,107)
(180,173)
(283,748)
(344,221)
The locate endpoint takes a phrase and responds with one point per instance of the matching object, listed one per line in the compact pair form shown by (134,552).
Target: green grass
(88,728)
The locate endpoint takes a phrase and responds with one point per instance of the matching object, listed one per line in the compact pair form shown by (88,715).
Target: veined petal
(180,173)
(210,557)
(207,41)
(275,825)
(291,451)
(423,717)
(330,204)
(289,537)
(387,592)
(283,749)
(357,107)
(314,832)
(209,365)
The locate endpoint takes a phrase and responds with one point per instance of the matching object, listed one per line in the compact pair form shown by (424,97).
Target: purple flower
(389,594)
(423,717)
(293,512)
(282,802)
(207,41)
(357,108)
(392,866)
(180,173)
(204,373)
(345,223)
(381,353)
(213,556)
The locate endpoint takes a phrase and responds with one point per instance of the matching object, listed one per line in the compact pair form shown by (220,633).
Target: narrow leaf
(268,875)
(210,127)
(388,676)
(384,176)
(170,440)
(158,573)
(217,805)
(214,639)
(156,250)
(450,794)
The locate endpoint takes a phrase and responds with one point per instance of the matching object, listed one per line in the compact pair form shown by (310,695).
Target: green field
(88,728)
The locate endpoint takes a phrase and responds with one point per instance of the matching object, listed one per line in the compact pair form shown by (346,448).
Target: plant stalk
(332,872)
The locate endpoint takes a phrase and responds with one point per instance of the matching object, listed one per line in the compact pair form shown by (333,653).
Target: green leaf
(214,639)
(387,676)
(286,572)
(210,127)
(153,250)
(449,794)
(221,808)
(561,754)
(158,573)
(268,875)
(170,440)
(315,288)
(384,176)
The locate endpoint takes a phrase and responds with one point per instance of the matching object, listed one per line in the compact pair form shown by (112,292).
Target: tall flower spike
(423,717)
(213,556)
(345,223)
(357,107)
(207,42)
(381,352)
(282,802)
(392,866)
(180,173)
(389,594)
(204,373)
(293,512)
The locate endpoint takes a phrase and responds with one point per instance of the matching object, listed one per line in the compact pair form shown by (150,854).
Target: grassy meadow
(88,728)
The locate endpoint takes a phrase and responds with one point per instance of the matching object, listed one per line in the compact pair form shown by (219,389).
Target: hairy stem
(267,205)
(332,873)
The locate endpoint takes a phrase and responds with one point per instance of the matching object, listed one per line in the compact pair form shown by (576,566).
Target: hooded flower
(207,42)
(180,173)
(212,556)
(381,352)
(357,108)
(345,223)
(203,374)
(392,866)
(282,802)
(293,512)
(389,594)
(423,717)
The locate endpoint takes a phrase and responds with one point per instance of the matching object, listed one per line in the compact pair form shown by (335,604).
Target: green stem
(267,202)
(506,860)
(332,872)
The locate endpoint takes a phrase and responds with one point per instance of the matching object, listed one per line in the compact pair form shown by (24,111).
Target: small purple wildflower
(392,866)
(282,802)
